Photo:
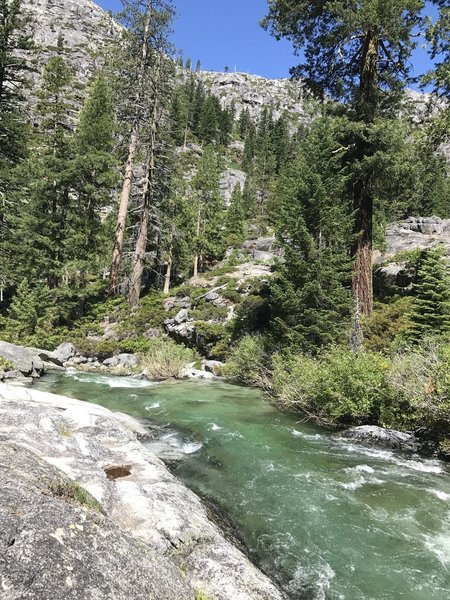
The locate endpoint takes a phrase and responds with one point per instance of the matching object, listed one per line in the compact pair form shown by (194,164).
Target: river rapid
(326,518)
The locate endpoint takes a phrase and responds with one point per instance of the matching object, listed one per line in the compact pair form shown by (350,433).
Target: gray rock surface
(122,360)
(230,179)
(52,545)
(385,438)
(85,27)
(416,233)
(100,451)
(25,360)
(256,93)
(65,352)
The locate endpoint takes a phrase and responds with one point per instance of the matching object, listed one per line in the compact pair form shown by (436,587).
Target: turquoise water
(327,518)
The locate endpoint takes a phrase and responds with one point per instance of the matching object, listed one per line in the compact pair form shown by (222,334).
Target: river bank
(132,490)
(324,516)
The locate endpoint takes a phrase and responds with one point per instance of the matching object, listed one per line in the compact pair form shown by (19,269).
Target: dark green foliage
(310,297)
(209,233)
(386,324)
(14,129)
(431,302)
(235,219)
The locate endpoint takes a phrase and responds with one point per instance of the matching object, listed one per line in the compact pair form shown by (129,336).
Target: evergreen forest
(116,234)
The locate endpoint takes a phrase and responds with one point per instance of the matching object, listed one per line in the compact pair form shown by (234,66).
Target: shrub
(165,359)
(5,365)
(419,380)
(340,386)
(387,322)
(248,362)
(209,312)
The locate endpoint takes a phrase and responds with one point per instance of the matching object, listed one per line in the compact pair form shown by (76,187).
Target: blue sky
(227,33)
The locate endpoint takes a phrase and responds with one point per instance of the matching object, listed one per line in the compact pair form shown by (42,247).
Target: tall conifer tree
(358,52)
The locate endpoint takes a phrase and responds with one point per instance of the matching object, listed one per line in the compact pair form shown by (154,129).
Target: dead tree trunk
(129,168)
(147,197)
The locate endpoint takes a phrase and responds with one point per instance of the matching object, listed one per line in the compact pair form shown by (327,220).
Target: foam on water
(441,495)
(174,440)
(111,381)
(214,427)
(306,436)
(439,545)
(153,406)
(416,464)
(360,469)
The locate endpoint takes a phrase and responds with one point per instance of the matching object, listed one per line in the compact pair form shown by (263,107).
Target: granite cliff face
(85,27)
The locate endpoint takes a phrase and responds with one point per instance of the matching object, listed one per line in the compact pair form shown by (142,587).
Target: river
(330,520)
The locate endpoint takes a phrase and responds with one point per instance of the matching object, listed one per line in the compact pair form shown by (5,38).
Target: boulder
(385,438)
(122,360)
(151,537)
(49,528)
(213,366)
(15,375)
(193,373)
(65,351)
(181,317)
(24,360)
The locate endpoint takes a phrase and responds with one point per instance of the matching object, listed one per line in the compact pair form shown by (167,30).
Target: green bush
(248,362)
(150,313)
(339,386)
(165,359)
(208,312)
(5,365)
(387,323)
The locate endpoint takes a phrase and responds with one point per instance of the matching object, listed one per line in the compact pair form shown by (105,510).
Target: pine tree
(311,295)
(431,303)
(14,69)
(358,53)
(138,20)
(235,219)
(42,225)
(94,176)
(209,234)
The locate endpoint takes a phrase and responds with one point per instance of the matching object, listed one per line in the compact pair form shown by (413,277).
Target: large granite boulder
(122,360)
(25,360)
(54,544)
(65,351)
(385,438)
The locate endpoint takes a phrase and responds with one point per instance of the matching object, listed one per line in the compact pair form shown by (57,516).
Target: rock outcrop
(25,360)
(385,438)
(145,535)
(230,179)
(85,27)
(416,233)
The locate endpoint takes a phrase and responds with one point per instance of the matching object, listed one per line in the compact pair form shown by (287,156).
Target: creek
(328,519)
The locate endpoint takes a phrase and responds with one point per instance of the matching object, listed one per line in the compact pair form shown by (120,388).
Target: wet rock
(213,366)
(193,373)
(79,360)
(122,360)
(24,360)
(385,438)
